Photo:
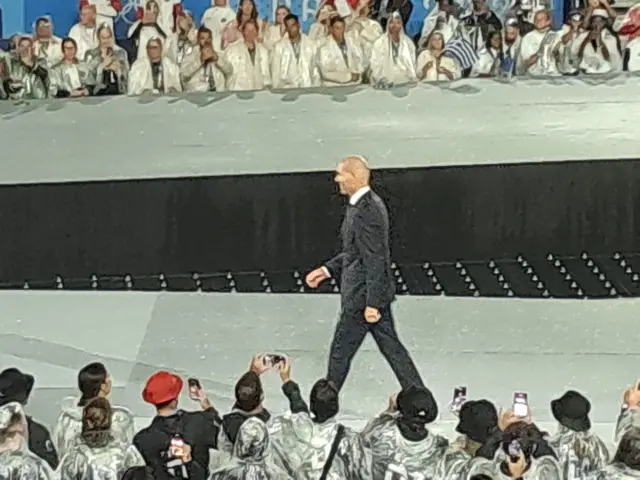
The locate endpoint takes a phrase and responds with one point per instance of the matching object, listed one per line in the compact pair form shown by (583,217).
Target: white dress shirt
(358,195)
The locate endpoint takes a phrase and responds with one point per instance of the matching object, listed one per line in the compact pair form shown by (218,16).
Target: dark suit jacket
(364,265)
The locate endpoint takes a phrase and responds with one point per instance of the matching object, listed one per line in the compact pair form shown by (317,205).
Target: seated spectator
(68,78)
(249,397)
(200,70)
(490,58)
(479,22)
(293,60)
(84,32)
(399,440)
(442,18)
(319,30)
(168,12)
(138,473)
(537,49)
(364,29)
(511,40)
(93,382)
(107,65)
(579,451)
(106,10)
(433,65)
(246,63)
(26,77)
(608,12)
(381,10)
(97,452)
(521,452)
(309,442)
(340,59)
(626,461)
(599,51)
(524,15)
(393,56)
(147,28)
(181,43)
(177,443)
(16,386)
(478,422)
(251,457)
(16,461)
(247,12)
(153,73)
(216,19)
(276,32)
(46,45)
(569,45)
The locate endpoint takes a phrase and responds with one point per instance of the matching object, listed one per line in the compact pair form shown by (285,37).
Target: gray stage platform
(493,346)
(469,122)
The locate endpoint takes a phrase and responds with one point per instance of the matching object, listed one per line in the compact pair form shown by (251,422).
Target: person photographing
(366,282)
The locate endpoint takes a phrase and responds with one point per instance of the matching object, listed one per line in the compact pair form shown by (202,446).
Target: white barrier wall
(464,123)
(495,347)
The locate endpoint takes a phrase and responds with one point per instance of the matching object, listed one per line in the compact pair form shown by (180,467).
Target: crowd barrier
(565,118)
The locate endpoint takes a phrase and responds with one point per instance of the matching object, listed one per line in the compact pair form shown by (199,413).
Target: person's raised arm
(291,389)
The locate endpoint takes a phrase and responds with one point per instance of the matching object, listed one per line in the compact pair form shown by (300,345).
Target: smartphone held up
(176,448)
(195,387)
(520,405)
(459,398)
(274,361)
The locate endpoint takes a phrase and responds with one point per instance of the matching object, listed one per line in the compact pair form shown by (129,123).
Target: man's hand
(316,277)
(507,417)
(107,60)
(285,371)
(257,364)
(371,315)
(201,397)
(393,402)
(207,54)
(186,453)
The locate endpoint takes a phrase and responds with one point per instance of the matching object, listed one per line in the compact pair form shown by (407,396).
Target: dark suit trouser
(351,331)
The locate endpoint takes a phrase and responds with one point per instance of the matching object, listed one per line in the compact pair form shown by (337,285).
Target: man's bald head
(358,166)
(352,174)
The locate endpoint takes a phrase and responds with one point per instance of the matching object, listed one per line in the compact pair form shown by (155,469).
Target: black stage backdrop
(291,221)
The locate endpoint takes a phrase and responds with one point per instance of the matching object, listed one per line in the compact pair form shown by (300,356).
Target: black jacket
(40,443)
(197,429)
(364,265)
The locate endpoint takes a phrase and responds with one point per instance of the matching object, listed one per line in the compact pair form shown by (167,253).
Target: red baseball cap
(162,387)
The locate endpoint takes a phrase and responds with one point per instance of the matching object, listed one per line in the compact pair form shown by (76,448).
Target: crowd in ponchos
(94,440)
(349,44)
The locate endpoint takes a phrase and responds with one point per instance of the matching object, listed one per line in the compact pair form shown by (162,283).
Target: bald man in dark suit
(367,288)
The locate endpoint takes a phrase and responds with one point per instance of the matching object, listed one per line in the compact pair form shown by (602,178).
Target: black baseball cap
(15,386)
(417,405)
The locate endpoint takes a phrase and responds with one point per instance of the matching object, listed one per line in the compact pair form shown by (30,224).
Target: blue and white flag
(462,52)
